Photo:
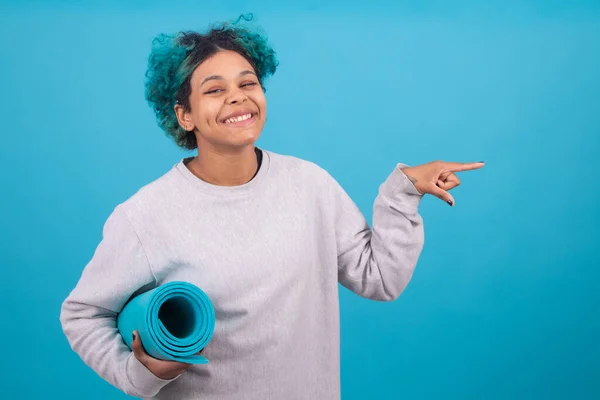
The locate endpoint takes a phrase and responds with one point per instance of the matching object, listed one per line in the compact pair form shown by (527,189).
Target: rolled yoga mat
(175,322)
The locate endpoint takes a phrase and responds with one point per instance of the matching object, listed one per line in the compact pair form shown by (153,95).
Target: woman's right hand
(162,369)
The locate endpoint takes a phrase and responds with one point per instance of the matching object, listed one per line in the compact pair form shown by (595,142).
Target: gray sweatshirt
(269,254)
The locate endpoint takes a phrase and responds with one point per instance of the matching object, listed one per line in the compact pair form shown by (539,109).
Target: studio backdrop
(504,301)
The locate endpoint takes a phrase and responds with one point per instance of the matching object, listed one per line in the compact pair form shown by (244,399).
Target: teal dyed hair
(174,58)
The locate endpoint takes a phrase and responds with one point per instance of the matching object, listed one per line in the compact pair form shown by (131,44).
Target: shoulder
(298,168)
(159,193)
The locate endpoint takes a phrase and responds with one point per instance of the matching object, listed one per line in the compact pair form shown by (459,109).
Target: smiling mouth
(240,120)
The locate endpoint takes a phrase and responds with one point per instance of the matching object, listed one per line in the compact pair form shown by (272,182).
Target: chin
(242,137)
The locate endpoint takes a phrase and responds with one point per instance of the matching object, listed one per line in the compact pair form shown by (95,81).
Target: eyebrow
(220,78)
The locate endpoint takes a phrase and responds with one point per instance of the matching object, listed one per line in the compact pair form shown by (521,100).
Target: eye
(211,91)
(249,84)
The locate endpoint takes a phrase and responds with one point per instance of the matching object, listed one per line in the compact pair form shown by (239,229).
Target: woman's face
(228,105)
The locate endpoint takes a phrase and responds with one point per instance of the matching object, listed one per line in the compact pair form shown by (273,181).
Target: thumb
(442,194)
(136,346)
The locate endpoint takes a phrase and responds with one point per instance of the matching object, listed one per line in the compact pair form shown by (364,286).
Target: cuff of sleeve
(398,184)
(143,379)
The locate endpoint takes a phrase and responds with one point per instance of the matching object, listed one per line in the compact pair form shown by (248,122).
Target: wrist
(407,171)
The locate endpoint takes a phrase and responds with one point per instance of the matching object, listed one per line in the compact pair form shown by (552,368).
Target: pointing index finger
(458,167)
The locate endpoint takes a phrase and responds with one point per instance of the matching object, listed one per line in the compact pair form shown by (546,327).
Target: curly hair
(174,58)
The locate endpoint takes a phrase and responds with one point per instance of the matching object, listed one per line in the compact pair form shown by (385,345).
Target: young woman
(266,236)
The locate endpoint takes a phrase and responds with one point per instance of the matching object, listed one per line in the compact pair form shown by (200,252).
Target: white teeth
(238,119)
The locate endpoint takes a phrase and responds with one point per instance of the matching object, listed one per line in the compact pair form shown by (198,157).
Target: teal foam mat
(175,322)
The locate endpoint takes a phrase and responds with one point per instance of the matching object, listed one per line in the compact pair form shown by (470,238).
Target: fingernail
(449,202)
(133,335)
(482,162)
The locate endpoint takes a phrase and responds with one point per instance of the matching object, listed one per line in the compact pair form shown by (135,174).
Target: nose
(237,96)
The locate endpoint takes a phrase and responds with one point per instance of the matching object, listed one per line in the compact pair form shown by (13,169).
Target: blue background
(504,302)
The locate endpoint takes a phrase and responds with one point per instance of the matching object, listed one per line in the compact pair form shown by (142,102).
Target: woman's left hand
(437,177)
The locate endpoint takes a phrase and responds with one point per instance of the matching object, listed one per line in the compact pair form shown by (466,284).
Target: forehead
(225,63)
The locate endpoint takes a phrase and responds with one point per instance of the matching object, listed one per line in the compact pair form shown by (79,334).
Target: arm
(378,264)
(118,268)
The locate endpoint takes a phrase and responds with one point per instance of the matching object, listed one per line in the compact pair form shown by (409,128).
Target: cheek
(207,113)
(260,101)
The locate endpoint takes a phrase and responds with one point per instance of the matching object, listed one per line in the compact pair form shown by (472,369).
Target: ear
(184,117)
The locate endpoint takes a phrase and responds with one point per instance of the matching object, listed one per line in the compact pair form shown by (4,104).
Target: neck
(224,168)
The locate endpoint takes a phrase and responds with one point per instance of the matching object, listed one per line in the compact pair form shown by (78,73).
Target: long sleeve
(378,263)
(118,269)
